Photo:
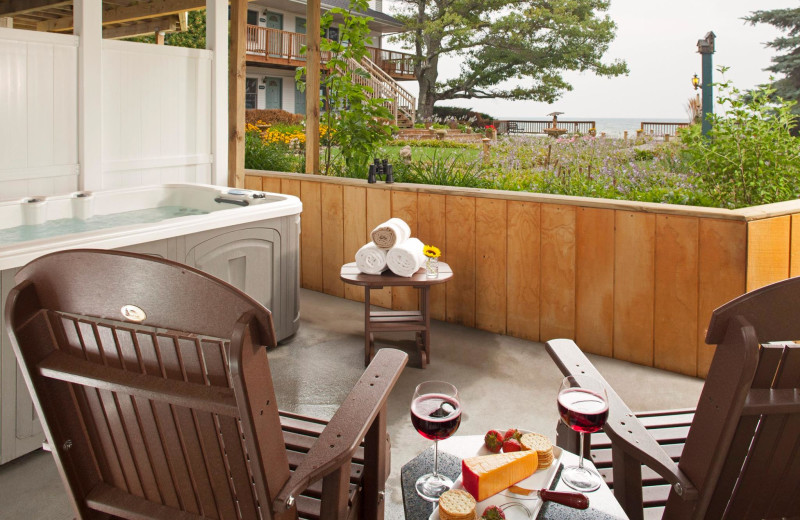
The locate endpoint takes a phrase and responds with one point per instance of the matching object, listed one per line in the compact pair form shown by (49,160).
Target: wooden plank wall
(631,285)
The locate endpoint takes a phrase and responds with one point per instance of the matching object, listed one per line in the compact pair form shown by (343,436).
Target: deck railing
(284,45)
(538,127)
(660,129)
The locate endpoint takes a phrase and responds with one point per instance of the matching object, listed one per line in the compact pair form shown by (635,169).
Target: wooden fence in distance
(661,129)
(537,127)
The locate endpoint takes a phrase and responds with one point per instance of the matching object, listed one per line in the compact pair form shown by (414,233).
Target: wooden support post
(626,135)
(236,82)
(217,41)
(7,22)
(486,147)
(666,138)
(312,85)
(159,37)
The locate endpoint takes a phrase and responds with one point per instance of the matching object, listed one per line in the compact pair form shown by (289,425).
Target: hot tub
(248,238)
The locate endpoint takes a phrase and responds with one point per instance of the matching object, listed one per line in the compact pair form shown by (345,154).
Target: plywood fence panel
(379,209)
(557,311)
(311,236)
(404,206)
(722,262)
(594,280)
(253,182)
(634,286)
(794,254)
(491,227)
(355,232)
(332,238)
(431,218)
(270,184)
(460,248)
(768,251)
(522,269)
(676,294)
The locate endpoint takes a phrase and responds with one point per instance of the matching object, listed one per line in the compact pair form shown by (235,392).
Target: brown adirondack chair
(153,386)
(738,454)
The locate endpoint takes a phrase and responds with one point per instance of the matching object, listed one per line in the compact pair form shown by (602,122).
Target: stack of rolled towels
(392,247)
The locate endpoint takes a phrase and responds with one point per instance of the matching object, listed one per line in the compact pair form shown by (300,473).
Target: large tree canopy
(788,63)
(509,49)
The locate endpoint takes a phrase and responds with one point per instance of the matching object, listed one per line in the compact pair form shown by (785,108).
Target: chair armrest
(346,430)
(623,427)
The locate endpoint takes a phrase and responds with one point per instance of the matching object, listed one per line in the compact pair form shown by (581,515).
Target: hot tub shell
(254,247)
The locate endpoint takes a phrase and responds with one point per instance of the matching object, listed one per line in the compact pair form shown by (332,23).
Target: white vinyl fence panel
(38,113)
(156,114)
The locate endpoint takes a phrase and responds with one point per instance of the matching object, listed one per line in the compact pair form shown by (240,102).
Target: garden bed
(629,280)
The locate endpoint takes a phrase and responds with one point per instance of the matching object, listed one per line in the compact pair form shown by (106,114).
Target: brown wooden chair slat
(738,454)
(173,416)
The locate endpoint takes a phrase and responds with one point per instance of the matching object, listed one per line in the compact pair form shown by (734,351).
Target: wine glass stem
(436,458)
(582,449)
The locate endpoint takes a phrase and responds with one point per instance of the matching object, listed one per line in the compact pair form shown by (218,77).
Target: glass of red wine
(583,406)
(436,414)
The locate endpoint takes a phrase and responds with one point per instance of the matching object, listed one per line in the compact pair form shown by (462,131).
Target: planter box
(629,280)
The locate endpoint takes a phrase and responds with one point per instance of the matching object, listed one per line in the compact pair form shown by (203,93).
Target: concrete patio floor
(503,382)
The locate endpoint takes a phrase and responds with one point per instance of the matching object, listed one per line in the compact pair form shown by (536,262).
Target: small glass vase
(432,267)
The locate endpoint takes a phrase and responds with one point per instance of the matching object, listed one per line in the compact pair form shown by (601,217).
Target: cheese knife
(567,498)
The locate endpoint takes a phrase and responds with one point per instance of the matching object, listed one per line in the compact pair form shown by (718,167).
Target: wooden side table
(397,321)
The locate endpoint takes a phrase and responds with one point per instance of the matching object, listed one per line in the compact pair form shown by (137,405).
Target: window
(332,34)
(250,92)
(252,17)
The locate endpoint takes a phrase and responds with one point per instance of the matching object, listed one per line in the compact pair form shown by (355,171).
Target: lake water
(612,126)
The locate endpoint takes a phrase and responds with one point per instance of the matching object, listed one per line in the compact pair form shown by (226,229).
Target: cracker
(456,504)
(541,444)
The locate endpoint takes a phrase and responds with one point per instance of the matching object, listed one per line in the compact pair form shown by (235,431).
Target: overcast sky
(658,40)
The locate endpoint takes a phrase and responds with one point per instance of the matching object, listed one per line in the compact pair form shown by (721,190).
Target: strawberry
(512,433)
(511,445)
(493,513)
(493,440)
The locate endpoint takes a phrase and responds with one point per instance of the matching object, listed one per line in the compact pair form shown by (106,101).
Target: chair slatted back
(173,417)
(743,448)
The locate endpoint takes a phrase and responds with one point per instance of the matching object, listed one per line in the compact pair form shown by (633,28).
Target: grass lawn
(426,152)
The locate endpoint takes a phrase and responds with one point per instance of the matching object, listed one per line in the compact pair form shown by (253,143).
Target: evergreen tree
(788,62)
(193,37)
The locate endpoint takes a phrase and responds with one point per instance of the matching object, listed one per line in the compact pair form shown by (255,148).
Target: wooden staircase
(399,101)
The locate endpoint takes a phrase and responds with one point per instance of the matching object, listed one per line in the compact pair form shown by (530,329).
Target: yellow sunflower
(431,251)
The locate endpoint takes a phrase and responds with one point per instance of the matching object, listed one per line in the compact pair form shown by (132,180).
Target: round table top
(350,274)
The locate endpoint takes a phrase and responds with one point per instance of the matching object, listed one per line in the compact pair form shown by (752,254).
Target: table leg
(368,339)
(425,297)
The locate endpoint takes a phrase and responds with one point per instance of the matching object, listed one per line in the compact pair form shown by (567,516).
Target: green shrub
(749,156)
(273,157)
(272,116)
(431,143)
(448,170)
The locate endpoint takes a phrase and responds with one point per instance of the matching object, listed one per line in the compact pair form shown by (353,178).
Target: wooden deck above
(282,48)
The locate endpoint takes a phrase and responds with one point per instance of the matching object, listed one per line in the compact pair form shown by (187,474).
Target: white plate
(541,479)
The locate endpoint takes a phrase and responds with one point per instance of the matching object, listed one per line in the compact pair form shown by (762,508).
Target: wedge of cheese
(489,474)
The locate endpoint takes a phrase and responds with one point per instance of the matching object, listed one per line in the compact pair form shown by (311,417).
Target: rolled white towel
(391,233)
(405,259)
(371,259)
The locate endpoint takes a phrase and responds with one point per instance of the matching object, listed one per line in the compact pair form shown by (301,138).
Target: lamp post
(706,48)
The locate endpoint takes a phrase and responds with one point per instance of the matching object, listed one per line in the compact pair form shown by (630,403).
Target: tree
(357,121)
(193,37)
(509,49)
(788,64)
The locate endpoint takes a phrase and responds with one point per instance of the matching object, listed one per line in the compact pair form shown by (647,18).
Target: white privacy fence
(38,113)
(156,114)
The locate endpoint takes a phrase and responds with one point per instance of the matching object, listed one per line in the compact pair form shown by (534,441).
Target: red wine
(582,410)
(436,416)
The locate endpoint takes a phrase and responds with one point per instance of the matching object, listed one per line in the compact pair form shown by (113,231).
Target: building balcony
(275,47)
